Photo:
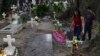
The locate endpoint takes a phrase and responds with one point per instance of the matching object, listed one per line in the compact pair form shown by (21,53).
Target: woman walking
(77,25)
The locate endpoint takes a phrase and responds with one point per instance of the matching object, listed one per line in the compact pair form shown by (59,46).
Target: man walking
(89,20)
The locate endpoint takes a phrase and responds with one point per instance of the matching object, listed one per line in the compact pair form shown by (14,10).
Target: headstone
(34,23)
(10,49)
(39,45)
(33,2)
(14,26)
(4,15)
(15,17)
(13,7)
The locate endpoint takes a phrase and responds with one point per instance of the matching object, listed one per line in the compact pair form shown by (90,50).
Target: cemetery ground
(44,27)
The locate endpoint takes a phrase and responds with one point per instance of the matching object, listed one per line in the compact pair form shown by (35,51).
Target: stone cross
(33,2)
(9,40)
(34,22)
(4,15)
(13,7)
(74,41)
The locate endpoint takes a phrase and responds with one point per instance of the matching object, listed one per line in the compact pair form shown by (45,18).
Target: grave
(34,23)
(39,45)
(13,27)
(10,50)
(13,7)
(4,15)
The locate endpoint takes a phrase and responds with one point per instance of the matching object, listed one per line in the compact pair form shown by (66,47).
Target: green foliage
(6,5)
(45,9)
(58,7)
(24,18)
(41,10)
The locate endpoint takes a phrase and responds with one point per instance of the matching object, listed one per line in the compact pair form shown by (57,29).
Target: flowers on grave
(75,42)
(59,37)
(2,52)
(57,25)
(58,7)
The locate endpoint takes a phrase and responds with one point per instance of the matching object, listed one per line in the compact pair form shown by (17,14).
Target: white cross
(13,7)
(69,43)
(4,14)
(33,2)
(9,40)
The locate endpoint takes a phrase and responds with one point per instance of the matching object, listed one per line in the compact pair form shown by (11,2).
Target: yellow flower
(75,41)
(3,53)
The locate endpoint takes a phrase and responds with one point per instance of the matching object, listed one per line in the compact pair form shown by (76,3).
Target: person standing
(89,20)
(77,25)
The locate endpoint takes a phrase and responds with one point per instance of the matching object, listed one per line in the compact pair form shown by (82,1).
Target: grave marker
(39,45)
(10,49)
(4,15)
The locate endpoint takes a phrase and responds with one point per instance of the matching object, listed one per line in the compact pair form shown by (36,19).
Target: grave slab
(39,45)
(11,28)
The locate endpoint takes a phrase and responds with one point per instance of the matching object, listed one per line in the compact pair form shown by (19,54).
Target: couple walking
(82,25)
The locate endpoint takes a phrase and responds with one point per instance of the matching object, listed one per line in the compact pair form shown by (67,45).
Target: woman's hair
(78,12)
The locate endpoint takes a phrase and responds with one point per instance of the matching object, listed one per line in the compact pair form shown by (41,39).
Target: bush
(58,7)
(41,10)
(24,18)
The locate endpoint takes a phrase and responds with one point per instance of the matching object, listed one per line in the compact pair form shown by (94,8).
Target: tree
(77,3)
(6,5)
